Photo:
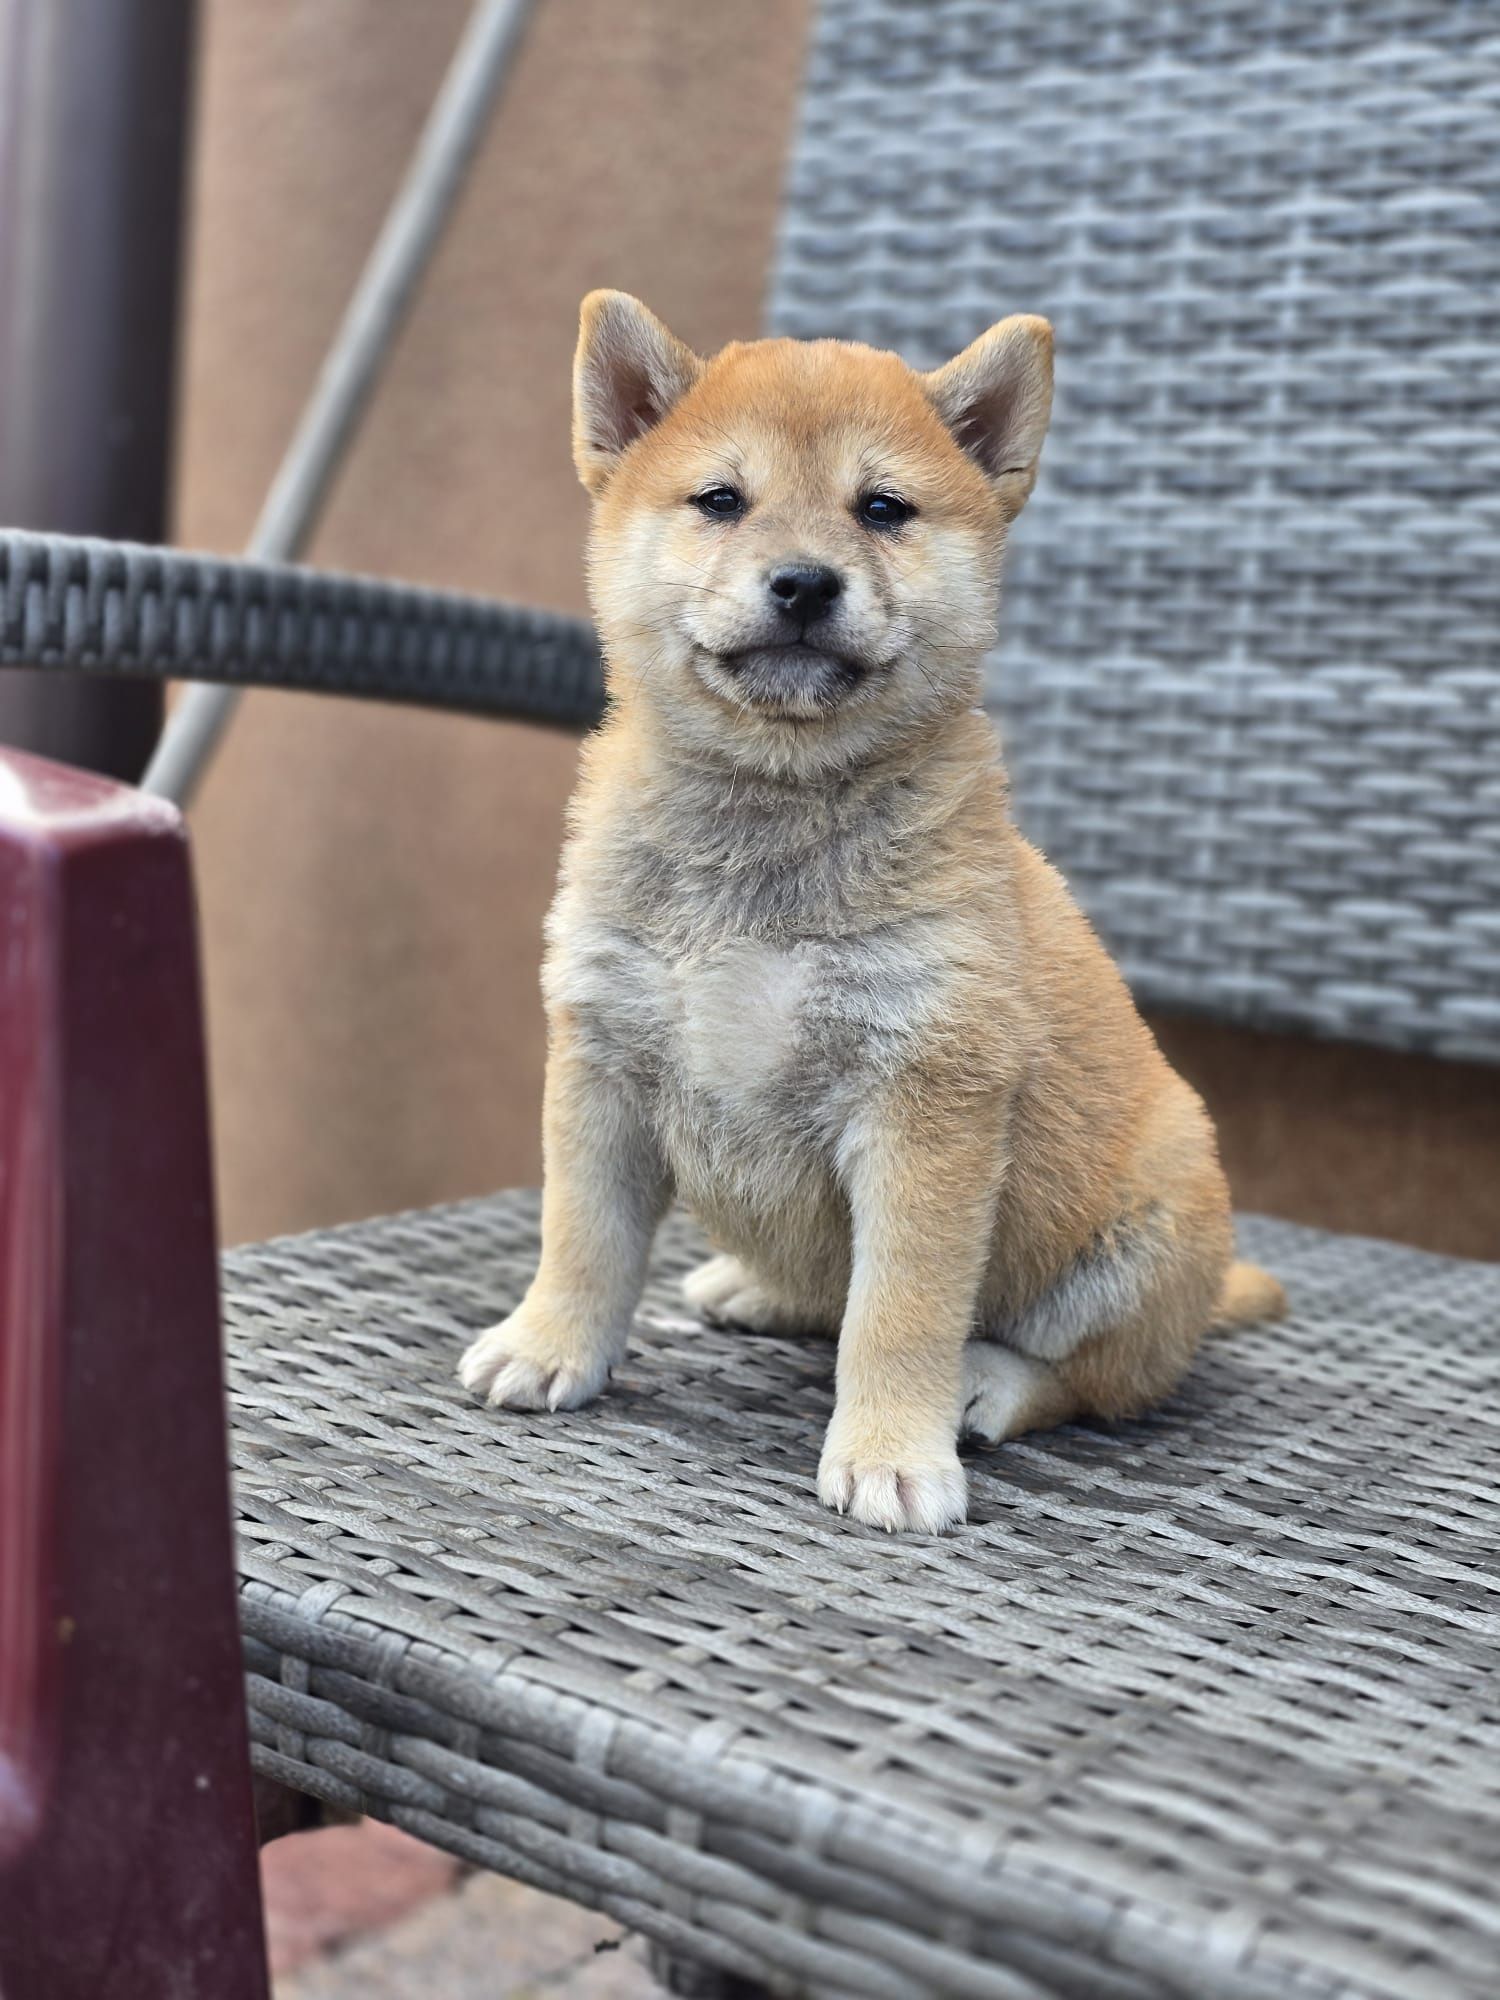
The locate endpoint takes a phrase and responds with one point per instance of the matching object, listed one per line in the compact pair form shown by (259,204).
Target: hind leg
(1006,1394)
(1113,1333)
(728,1293)
(1120,1372)
(1111,1372)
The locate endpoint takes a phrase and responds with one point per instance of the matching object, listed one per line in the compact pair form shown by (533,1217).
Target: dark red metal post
(127,1845)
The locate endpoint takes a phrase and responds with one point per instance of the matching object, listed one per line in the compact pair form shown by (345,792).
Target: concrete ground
(363,1913)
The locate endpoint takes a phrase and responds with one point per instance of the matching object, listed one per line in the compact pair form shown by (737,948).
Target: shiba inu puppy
(802,971)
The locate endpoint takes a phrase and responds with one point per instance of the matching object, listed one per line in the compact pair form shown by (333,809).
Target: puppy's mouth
(798,680)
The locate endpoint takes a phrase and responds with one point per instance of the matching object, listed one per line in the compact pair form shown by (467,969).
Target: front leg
(604,1192)
(922,1204)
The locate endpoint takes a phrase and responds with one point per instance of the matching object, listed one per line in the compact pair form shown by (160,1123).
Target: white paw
(713,1284)
(1004,1393)
(922,1494)
(521,1365)
(727,1293)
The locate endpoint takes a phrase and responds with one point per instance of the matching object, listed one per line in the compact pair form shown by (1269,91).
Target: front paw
(537,1361)
(918,1490)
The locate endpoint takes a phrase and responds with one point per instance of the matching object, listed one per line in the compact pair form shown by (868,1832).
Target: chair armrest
(119,608)
(127,1858)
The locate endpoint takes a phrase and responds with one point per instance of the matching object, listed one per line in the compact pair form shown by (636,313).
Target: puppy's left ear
(996,398)
(628,372)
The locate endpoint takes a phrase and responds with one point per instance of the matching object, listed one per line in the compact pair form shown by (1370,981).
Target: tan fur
(1249,1294)
(802,970)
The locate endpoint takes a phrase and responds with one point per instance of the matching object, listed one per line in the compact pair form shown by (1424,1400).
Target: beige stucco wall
(373,881)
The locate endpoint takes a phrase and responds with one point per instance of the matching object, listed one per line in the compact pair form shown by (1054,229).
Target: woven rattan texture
(1200,1707)
(1249,678)
(114,607)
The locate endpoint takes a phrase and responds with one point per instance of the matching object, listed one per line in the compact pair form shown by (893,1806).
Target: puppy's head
(796,545)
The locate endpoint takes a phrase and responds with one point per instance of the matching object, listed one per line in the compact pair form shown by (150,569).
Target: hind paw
(727,1293)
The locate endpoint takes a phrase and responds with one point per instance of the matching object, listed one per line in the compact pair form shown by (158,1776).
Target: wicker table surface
(1205,1705)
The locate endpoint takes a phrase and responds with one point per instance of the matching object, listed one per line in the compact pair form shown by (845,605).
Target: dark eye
(720,501)
(884,510)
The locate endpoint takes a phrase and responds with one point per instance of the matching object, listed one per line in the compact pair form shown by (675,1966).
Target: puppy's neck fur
(700,848)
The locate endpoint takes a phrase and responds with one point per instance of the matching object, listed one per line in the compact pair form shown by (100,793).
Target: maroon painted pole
(127,1843)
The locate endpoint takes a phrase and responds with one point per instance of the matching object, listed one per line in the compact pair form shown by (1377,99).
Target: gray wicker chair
(1199,1706)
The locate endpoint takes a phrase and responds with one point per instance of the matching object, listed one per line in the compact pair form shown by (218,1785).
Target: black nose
(804,591)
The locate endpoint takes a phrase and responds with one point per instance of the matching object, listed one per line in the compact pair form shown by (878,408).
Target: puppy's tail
(1249,1294)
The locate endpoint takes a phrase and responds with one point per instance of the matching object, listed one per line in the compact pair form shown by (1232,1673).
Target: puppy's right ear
(628,372)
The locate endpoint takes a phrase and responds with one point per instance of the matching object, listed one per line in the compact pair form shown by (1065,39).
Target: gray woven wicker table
(1205,1703)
